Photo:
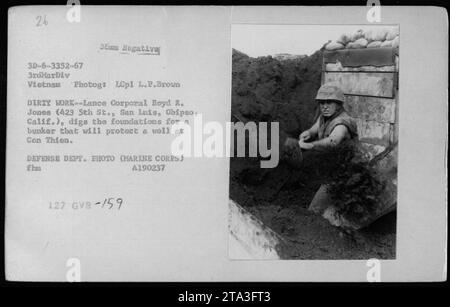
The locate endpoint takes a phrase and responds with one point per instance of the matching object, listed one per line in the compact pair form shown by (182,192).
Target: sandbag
(396,42)
(386,43)
(344,39)
(376,34)
(334,46)
(359,43)
(374,44)
(359,34)
(392,33)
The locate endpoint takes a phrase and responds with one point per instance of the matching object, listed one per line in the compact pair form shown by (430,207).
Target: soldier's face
(328,108)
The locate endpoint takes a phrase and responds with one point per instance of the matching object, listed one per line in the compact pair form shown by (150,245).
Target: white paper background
(174,225)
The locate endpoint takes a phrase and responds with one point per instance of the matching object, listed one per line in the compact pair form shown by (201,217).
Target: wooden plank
(372,150)
(392,139)
(249,234)
(373,132)
(338,67)
(364,83)
(371,108)
(388,164)
(387,168)
(396,126)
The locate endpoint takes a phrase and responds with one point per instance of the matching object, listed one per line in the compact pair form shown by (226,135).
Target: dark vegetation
(353,182)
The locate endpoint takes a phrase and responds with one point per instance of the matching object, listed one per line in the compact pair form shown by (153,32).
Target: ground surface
(280,199)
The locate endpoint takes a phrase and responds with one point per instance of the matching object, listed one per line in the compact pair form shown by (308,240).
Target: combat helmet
(330,91)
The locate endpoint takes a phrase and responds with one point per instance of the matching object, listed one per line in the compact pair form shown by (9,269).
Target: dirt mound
(267,89)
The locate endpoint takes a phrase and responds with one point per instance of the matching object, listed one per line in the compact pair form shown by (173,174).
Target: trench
(268,89)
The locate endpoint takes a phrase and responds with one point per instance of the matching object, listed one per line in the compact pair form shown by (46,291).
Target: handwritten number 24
(41,20)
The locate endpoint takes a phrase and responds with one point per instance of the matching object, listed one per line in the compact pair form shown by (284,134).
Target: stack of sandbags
(357,44)
(374,38)
(334,46)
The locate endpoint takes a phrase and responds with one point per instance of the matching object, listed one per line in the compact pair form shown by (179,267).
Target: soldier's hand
(305,135)
(304,145)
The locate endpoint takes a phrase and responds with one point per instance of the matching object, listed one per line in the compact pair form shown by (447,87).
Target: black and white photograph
(333,90)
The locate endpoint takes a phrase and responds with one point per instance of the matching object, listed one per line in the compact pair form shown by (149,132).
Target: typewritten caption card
(89,161)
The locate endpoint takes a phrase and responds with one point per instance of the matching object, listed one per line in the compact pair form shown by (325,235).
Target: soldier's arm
(336,136)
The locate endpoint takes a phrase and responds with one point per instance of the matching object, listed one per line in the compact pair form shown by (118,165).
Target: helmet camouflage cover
(330,91)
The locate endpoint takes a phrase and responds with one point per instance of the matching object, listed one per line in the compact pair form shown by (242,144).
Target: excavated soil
(267,89)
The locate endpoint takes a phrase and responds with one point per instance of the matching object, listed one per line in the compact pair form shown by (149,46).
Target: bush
(353,182)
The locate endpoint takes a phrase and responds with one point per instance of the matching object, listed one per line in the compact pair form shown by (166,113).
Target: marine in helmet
(333,126)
